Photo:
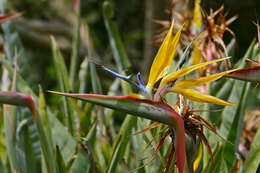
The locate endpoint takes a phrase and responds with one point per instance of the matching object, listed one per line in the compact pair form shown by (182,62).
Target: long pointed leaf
(19,99)
(152,110)
(63,77)
(157,111)
(75,46)
(251,74)
(9,17)
(253,160)
(236,128)
(118,49)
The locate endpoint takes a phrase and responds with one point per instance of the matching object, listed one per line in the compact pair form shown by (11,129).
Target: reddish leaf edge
(19,99)
(9,17)
(176,121)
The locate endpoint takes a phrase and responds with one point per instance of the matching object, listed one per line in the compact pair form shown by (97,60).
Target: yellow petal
(164,57)
(199,97)
(175,75)
(198,159)
(190,83)
(137,96)
(196,56)
(197,14)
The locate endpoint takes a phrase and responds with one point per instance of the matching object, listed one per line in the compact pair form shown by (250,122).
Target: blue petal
(184,56)
(125,78)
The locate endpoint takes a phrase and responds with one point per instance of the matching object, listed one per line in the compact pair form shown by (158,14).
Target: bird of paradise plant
(150,103)
(179,121)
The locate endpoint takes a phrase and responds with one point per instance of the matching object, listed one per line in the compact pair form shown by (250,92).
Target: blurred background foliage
(133,17)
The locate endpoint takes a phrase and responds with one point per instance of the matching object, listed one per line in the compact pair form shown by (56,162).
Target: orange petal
(190,83)
(199,97)
(196,56)
(164,57)
(197,14)
(175,75)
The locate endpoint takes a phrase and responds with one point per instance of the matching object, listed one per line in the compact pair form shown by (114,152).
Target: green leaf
(157,111)
(118,50)
(27,152)
(75,47)
(62,138)
(236,129)
(3,169)
(9,134)
(20,99)
(62,75)
(83,73)
(246,74)
(223,93)
(219,161)
(253,159)
(82,163)
(60,161)
(121,142)
(21,84)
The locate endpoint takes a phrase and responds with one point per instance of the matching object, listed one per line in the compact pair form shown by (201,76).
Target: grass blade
(82,162)
(20,99)
(10,140)
(118,50)
(236,129)
(253,160)
(75,46)
(64,86)
(60,161)
(156,111)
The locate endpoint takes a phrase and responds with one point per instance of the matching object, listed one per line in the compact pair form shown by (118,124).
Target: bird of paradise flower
(151,105)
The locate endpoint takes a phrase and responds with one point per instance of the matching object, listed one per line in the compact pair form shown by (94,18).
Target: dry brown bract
(210,42)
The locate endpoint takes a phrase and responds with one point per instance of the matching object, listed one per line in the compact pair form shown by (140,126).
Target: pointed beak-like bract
(164,57)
